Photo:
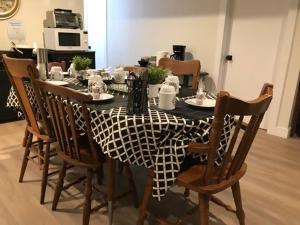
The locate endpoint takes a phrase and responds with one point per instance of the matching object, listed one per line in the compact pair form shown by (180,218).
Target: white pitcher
(167,97)
(72,71)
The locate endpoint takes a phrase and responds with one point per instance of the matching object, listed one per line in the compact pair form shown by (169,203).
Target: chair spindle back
(188,67)
(60,103)
(17,71)
(240,143)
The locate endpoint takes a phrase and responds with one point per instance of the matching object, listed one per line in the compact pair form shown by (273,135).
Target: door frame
(281,62)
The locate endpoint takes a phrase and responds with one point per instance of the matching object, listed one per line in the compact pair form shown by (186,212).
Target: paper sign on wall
(16,31)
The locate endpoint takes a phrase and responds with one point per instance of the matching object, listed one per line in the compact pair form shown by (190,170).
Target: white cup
(56,73)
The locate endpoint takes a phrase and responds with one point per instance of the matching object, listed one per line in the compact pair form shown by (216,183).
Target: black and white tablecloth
(157,140)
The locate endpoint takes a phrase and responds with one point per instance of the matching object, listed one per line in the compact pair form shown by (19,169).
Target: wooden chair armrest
(195,147)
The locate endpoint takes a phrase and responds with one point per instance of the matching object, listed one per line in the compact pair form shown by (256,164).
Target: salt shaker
(200,96)
(96,91)
(92,81)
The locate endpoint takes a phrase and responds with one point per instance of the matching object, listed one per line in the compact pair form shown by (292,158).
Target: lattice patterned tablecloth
(157,140)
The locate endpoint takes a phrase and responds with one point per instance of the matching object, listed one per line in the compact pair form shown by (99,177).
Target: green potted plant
(156,76)
(81,64)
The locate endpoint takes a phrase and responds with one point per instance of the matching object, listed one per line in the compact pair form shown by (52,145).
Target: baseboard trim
(280,131)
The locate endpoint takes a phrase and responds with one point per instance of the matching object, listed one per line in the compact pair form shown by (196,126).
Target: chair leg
(26,134)
(204,209)
(59,185)
(146,198)
(100,174)
(120,168)
(110,186)
(88,194)
(40,152)
(45,173)
(186,193)
(236,191)
(25,157)
(132,186)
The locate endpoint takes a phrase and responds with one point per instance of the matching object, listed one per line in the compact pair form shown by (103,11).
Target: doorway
(253,42)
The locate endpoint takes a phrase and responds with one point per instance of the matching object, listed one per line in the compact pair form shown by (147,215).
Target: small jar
(96,91)
(200,96)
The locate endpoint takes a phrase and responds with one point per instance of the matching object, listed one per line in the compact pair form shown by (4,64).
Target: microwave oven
(65,39)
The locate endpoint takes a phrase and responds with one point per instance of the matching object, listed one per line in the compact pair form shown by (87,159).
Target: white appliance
(60,39)
(63,18)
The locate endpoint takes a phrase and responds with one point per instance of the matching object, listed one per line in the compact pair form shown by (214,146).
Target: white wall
(137,28)
(95,23)
(32,13)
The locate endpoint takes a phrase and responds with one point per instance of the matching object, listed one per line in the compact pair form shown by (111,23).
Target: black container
(179,52)
(23,53)
(137,94)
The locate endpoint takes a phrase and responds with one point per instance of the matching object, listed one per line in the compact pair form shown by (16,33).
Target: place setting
(189,105)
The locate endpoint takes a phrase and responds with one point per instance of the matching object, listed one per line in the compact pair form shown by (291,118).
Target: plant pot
(153,90)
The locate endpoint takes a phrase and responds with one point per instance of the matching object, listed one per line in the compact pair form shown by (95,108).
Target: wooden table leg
(146,198)
(110,191)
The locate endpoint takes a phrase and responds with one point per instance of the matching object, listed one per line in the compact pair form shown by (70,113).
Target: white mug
(56,73)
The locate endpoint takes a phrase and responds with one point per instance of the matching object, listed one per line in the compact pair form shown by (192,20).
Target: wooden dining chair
(62,64)
(183,68)
(36,122)
(75,147)
(209,179)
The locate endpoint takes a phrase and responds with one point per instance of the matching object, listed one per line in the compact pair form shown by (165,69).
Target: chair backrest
(34,74)
(62,64)
(60,104)
(243,134)
(17,71)
(132,68)
(188,67)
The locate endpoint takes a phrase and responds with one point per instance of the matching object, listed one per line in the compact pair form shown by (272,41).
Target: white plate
(207,103)
(57,82)
(104,97)
(64,73)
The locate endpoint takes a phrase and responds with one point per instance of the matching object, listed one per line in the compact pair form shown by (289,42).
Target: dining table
(157,139)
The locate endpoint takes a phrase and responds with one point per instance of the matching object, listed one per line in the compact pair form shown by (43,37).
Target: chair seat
(87,160)
(193,178)
(195,173)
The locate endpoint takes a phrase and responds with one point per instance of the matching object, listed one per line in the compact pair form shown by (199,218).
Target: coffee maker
(179,52)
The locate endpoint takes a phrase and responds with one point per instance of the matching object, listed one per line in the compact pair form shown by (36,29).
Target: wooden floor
(270,189)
